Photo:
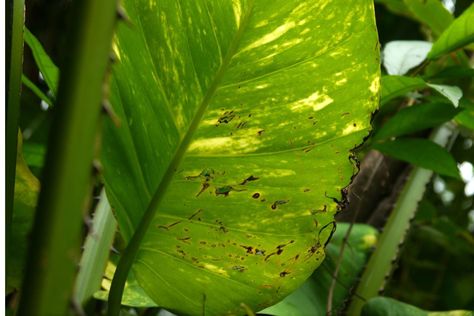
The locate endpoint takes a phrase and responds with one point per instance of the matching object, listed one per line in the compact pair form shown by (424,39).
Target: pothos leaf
(244,113)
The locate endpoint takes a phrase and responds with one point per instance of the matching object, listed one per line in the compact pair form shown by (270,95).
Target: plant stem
(55,240)
(96,252)
(380,263)
(14,67)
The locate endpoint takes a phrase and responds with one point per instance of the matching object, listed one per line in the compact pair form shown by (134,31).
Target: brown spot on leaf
(284,274)
(226,117)
(278,202)
(184,239)
(241,124)
(167,227)
(239,268)
(248,248)
(251,178)
(204,187)
(194,214)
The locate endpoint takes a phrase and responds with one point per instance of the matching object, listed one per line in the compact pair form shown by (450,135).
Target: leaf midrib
(131,251)
(178,156)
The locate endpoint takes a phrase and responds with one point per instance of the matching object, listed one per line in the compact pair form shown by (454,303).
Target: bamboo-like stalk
(379,266)
(14,67)
(55,240)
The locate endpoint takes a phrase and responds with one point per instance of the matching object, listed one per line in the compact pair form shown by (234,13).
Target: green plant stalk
(380,263)
(14,66)
(55,239)
(96,252)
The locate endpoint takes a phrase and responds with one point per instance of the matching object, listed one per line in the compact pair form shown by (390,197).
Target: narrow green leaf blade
(245,208)
(416,118)
(422,153)
(46,66)
(40,94)
(96,251)
(459,34)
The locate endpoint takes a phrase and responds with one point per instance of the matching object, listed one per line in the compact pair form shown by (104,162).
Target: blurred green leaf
(452,93)
(396,6)
(34,154)
(459,34)
(396,86)
(26,192)
(453,72)
(431,13)
(227,115)
(46,66)
(422,153)
(416,118)
(466,119)
(385,306)
(311,297)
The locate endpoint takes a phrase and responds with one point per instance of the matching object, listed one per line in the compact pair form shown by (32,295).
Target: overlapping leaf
(272,96)
(457,35)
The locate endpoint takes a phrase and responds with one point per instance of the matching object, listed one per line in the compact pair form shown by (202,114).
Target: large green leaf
(457,35)
(270,96)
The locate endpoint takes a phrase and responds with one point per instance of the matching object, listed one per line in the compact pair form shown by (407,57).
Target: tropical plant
(232,134)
